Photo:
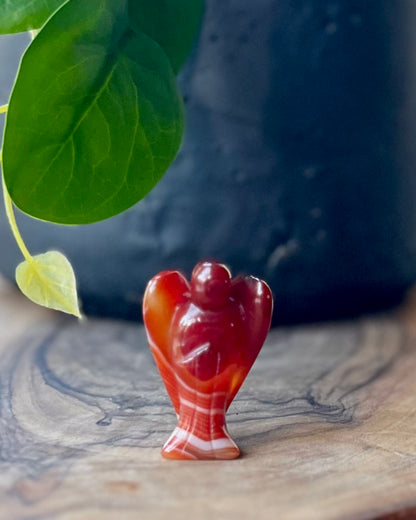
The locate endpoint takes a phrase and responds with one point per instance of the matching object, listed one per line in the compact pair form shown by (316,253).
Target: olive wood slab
(326,421)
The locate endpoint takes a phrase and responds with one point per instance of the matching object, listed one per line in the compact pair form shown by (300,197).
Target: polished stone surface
(205,334)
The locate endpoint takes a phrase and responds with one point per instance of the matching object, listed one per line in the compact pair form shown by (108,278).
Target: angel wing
(163,294)
(256,299)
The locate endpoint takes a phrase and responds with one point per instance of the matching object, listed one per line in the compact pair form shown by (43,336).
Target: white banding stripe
(212,445)
(207,411)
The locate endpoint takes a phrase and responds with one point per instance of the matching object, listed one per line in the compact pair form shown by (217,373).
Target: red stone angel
(205,336)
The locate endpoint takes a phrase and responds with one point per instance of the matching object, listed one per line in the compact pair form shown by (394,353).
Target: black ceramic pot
(297,165)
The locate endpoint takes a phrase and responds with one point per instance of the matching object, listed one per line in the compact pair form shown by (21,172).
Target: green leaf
(49,280)
(174,24)
(95,117)
(24,15)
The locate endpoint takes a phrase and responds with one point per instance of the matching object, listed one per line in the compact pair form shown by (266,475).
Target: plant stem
(12,221)
(3,109)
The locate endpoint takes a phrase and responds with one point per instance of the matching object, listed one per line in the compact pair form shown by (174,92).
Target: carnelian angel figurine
(205,336)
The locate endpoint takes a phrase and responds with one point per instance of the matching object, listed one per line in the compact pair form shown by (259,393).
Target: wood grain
(326,422)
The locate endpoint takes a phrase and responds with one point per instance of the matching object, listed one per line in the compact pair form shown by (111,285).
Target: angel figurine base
(201,432)
(205,336)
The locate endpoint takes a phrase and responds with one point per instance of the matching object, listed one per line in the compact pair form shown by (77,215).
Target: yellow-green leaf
(49,280)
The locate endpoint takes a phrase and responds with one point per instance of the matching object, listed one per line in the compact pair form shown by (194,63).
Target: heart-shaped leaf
(23,15)
(92,126)
(49,280)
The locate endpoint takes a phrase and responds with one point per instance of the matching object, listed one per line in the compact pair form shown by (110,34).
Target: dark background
(298,164)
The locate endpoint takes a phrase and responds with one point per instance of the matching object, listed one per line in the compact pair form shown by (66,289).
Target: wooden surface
(326,421)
